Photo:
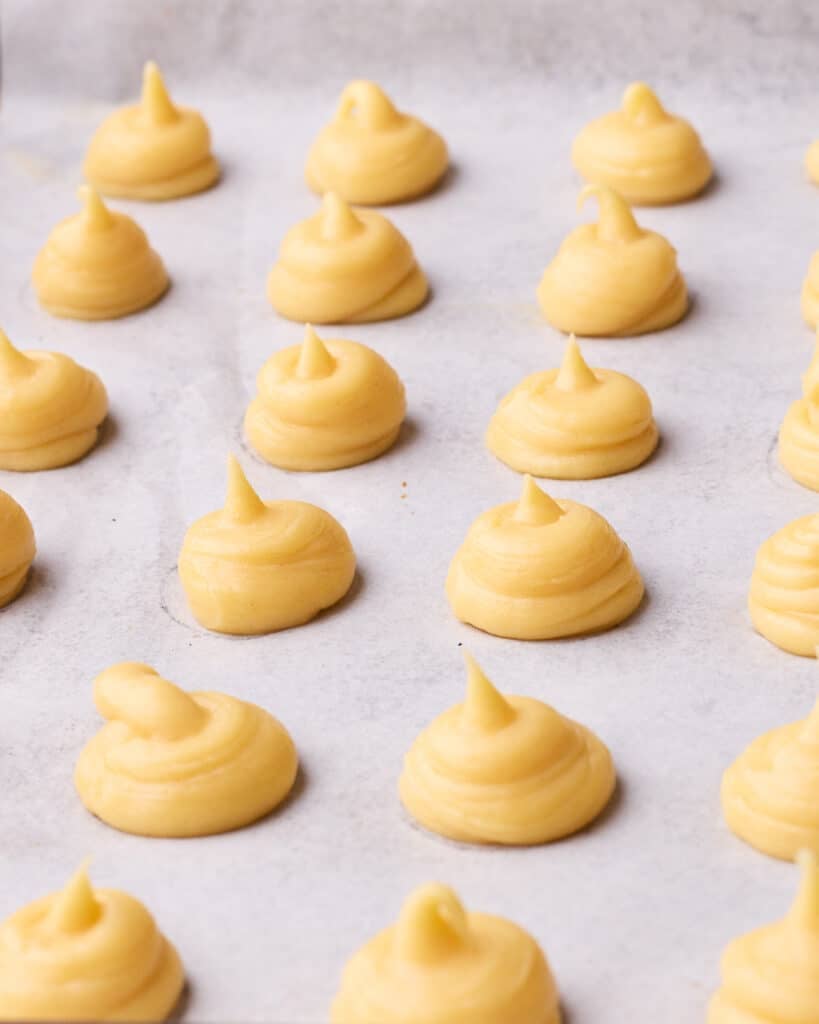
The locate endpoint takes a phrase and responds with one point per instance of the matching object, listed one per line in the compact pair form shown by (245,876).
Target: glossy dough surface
(647,154)
(574,423)
(171,763)
(17,548)
(440,964)
(50,409)
(509,770)
(256,567)
(799,433)
(97,265)
(345,266)
(325,405)
(371,153)
(537,569)
(810,293)
(154,150)
(86,954)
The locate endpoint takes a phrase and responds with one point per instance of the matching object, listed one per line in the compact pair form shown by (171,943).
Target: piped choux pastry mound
(810,293)
(784,595)
(345,266)
(538,569)
(771,975)
(509,770)
(153,150)
(442,964)
(812,162)
(171,763)
(799,433)
(50,409)
(86,954)
(256,566)
(371,153)
(98,265)
(17,548)
(325,405)
(648,154)
(770,794)
(613,278)
(574,423)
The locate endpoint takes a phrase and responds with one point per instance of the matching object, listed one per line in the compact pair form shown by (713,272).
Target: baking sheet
(634,913)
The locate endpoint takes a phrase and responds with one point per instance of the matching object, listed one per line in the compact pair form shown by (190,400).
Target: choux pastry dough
(325,405)
(171,763)
(373,154)
(812,162)
(810,293)
(574,423)
(771,975)
(784,594)
(154,150)
(799,433)
(50,409)
(345,266)
(98,265)
(613,278)
(257,567)
(649,155)
(508,770)
(770,794)
(442,964)
(86,954)
(537,569)
(17,548)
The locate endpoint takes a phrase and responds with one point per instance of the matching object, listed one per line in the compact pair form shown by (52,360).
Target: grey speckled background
(634,913)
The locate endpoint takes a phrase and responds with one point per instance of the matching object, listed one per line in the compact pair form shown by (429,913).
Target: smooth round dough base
(767,834)
(12,584)
(643,189)
(800,463)
(795,632)
(115,312)
(61,452)
(197,179)
(378,194)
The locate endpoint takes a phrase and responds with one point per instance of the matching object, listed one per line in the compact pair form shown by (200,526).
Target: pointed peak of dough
(75,908)
(148,704)
(156,104)
(575,374)
(96,214)
(368,102)
(640,103)
(534,506)
(432,924)
(314,358)
(485,706)
(338,219)
(615,222)
(13,362)
(242,503)
(805,909)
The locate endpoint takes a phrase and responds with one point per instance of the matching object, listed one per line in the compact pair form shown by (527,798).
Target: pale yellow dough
(97,265)
(325,405)
(508,770)
(345,266)
(17,548)
(771,975)
(649,155)
(812,162)
(784,595)
(86,954)
(442,964)
(171,763)
(810,293)
(770,794)
(50,409)
(537,569)
(371,153)
(574,423)
(256,567)
(154,150)
(799,433)
(613,278)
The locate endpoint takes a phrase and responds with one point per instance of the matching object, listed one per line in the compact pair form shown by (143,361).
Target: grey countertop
(634,913)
